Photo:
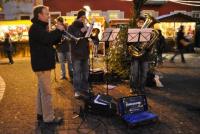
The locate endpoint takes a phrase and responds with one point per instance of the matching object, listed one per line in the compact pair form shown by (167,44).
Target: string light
(188,3)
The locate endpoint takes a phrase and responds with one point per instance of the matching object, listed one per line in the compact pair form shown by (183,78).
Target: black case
(99,109)
(96,76)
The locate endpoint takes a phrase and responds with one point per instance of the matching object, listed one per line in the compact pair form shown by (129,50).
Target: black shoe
(141,92)
(39,117)
(55,121)
(11,62)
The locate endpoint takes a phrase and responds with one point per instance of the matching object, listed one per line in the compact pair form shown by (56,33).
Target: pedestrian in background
(43,61)
(180,46)
(8,48)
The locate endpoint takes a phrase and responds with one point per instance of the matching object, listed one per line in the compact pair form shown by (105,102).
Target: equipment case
(134,110)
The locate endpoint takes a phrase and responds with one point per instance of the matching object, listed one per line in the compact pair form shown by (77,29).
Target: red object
(74,5)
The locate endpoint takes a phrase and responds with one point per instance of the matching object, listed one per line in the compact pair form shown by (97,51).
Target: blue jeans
(80,74)
(63,57)
(138,74)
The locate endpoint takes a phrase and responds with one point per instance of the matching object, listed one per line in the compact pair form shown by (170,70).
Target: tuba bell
(138,51)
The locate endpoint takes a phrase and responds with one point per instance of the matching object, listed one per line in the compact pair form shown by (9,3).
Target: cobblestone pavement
(177,104)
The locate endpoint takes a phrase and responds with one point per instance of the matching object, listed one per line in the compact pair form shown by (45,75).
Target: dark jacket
(95,40)
(80,50)
(63,46)
(41,45)
(180,36)
(7,46)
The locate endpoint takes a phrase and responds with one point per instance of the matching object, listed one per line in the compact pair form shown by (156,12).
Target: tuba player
(139,67)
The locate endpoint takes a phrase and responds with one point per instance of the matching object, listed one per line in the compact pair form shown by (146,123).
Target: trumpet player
(80,54)
(63,51)
(139,67)
(43,61)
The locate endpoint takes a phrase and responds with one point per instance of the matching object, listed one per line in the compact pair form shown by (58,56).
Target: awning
(176,17)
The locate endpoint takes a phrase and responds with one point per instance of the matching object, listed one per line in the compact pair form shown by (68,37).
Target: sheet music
(110,34)
(114,34)
(89,31)
(145,35)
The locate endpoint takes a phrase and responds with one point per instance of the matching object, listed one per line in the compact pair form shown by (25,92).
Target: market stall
(169,25)
(18,31)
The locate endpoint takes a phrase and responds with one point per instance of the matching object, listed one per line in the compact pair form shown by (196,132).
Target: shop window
(95,14)
(196,14)
(113,16)
(25,17)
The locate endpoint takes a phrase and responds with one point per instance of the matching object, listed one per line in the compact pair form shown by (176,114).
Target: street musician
(80,54)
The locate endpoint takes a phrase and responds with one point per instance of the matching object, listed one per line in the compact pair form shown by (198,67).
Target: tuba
(139,51)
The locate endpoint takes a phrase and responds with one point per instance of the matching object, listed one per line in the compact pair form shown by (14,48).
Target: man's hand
(60,27)
(83,30)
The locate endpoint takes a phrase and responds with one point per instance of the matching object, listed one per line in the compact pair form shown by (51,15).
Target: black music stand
(109,35)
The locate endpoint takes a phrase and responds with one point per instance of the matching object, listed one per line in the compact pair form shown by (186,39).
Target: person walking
(180,47)
(8,48)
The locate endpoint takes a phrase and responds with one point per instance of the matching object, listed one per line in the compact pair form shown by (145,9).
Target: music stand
(139,35)
(109,35)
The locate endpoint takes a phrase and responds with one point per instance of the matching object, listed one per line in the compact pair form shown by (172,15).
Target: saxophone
(137,52)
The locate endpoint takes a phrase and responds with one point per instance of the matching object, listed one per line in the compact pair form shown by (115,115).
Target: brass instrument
(140,50)
(69,36)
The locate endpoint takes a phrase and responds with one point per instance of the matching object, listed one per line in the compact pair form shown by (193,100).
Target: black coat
(80,50)
(180,36)
(63,46)
(41,45)
(7,46)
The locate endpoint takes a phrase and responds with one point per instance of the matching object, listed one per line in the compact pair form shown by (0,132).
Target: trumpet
(69,36)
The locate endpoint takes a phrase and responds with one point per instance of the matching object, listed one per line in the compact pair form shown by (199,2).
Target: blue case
(134,110)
